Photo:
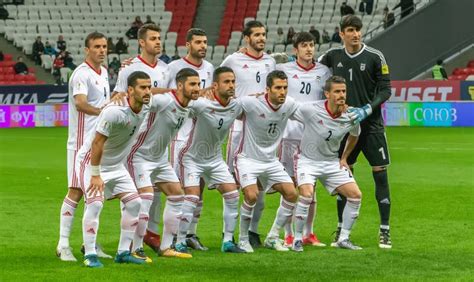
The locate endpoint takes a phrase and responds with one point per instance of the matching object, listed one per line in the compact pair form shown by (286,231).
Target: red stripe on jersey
(140,140)
(143,61)
(186,148)
(241,143)
(229,145)
(74,182)
(172,145)
(192,64)
(80,130)
(295,163)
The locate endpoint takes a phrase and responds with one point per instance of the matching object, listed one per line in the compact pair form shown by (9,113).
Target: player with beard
(196,42)
(368,87)
(251,69)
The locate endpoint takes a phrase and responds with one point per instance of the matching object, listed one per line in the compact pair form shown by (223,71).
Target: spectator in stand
(49,50)
(438,72)
(280,36)
(346,9)
(315,33)
(112,75)
(57,65)
(115,64)
(407,7)
(388,18)
(148,20)
(38,50)
(110,46)
(69,62)
(325,37)
(3,13)
(61,44)
(165,58)
(2,57)
(290,35)
(176,56)
(121,47)
(336,37)
(369,6)
(20,67)
(132,32)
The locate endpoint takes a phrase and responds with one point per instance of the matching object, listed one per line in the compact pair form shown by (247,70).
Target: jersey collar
(128,101)
(219,100)
(270,104)
(312,66)
(329,112)
(176,98)
(96,71)
(356,54)
(189,62)
(143,61)
(253,57)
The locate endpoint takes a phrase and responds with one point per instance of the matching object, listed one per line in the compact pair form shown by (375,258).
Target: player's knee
(291,195)
(74,194)
(251,197)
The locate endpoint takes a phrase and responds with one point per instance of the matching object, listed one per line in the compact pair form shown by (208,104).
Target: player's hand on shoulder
(256,95)
(96,187)
(207,93)
(359,114)
(242,50)
(126,62)
(119,98)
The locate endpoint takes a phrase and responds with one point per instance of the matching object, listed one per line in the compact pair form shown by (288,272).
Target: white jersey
(120,124)
(85,80)
(323,132)
(304,85)
(263,127)
(166,117)
(211,123)
(250,74)
(205,71)
(159,73)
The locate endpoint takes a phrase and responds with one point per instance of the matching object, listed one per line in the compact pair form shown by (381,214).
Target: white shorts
(214,172)
(116,178)
(175,148)
(289,148)
(328,172)
(269,173)
(72,179)
(146,173)
(232,144)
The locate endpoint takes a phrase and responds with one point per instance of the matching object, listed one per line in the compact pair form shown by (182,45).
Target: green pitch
(432,184)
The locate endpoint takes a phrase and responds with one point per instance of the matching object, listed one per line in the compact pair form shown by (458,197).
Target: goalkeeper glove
(359,114)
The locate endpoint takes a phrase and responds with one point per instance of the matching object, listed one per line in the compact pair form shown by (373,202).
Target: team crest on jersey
(141,177)
(267,66)
(96,82)
(362,67)
(318,78)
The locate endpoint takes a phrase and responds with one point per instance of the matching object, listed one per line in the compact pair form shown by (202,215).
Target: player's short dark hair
(220,70)
(303,37)
(249,25)
(439,62)
(135,76)
(274,75)
(194,32)
(146,27)
(183,75)
(333,79)
(350,20)
(93,36)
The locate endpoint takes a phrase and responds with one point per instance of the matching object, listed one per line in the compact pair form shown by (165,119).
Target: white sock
(284,212)
(187,210)
(257,212)
(349,216)
(68,209)
(230,213)
(155,213)
(246,212)
(289,224)
(301,214)
(171,216)
(311,216)
(90,224)
(147,199)
(196,215)
(131,204)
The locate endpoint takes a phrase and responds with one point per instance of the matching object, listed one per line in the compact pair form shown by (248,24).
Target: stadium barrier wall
(438,114)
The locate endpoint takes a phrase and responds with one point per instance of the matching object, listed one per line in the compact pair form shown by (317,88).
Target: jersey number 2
(305,88)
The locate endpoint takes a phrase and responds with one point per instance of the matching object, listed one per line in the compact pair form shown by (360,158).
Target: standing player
(325,125)
(306,80)
(149,39)
(202,157)
(264,120)
(88,92)
(251,69)
(148,61)
(196,42)
(100,165)
(368,86)
(148,160)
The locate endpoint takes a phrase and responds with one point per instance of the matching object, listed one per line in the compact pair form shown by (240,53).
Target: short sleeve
(227,62)
(302,112)
(355,131)
(121,85)
(80,84)
(159,102)
(198,106)
(107,118)
(325,59)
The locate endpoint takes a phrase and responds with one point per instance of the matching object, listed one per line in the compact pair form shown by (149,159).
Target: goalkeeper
(368,86)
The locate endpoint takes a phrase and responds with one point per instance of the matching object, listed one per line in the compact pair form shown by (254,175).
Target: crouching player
(325,125)
(100,167)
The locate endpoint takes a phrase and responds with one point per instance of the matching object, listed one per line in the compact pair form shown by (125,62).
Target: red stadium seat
(457,71)
(8,70)
(7,57)
(2,77)
(9,77)
(31,70)
(470,64)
